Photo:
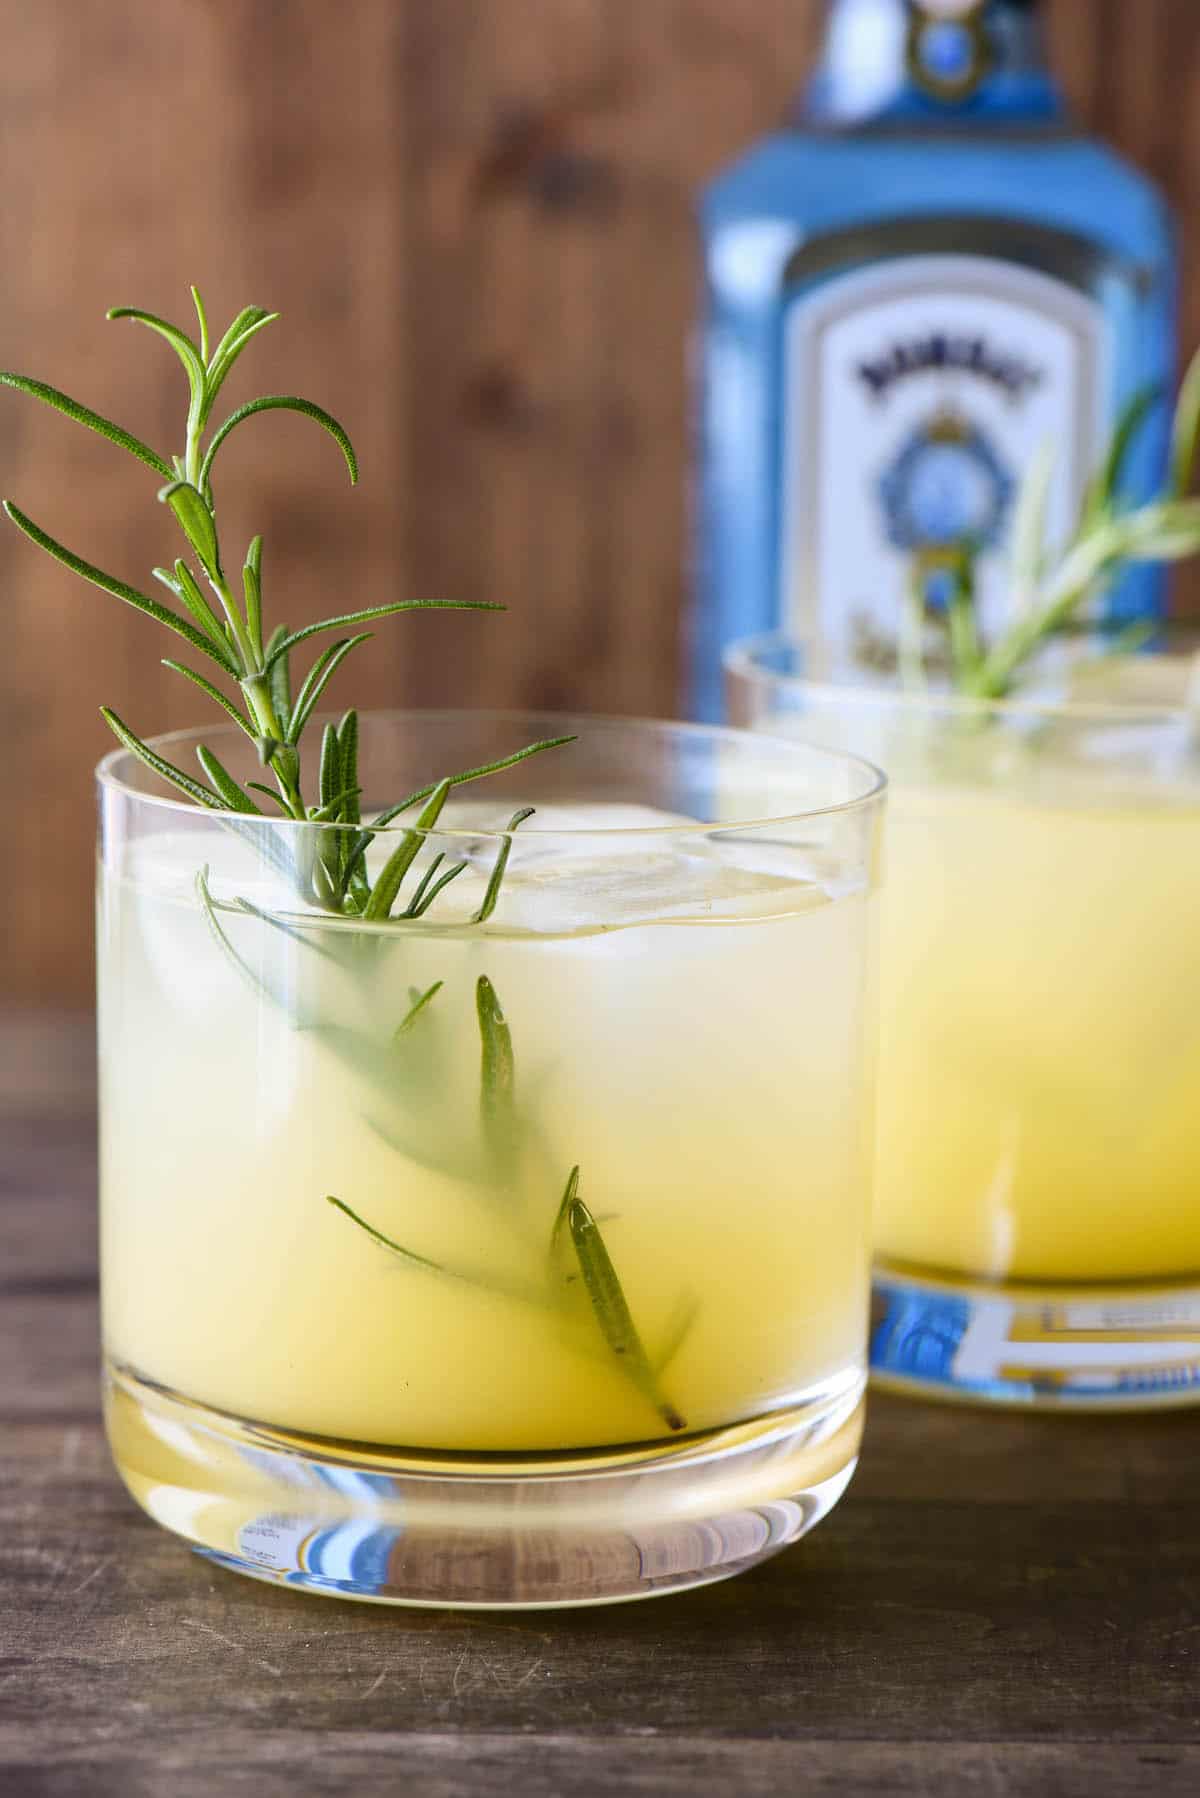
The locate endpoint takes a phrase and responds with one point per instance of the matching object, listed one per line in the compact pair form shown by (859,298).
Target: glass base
(353,1520)
(1079,1348)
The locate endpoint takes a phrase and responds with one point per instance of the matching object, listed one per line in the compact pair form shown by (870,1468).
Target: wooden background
(476,217)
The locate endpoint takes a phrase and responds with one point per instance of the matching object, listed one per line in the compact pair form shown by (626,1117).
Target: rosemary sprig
(1048,591)
(228,630)
(573,1222)
(327,861)
(601,1284)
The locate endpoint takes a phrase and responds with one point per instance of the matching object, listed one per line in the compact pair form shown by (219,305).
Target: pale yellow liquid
(1040,1057)
(705,1068)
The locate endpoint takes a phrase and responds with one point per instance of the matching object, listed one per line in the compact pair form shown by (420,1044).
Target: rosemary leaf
(248,323)
(964,640)
(426,878)
(387,887)
(494,884)
(184,348)
(252,591)
(331,766)
(248,317)
(256,786)
(418,1002)
(279,402)
(326,870)
(188,589)
(1105,487)
(277,665)
(318,678)
(245,317)
(331,812)
(458,780)
(363,842)
(497,1072)
(612,1310)
(168,580)
(395,1248)
(348,745)
(215,695)
(418,908)
(422,1262)
(202,321)
(235,796)
(351,811)
(563,1214)
(62,402)
(164,769)
(196,523)
(141,601)
(287,643)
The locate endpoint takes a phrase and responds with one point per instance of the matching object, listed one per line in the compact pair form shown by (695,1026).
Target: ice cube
(576,868)
(588,868)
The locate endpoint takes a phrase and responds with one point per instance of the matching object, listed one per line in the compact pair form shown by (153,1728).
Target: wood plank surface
(1001,1604)
(477,219)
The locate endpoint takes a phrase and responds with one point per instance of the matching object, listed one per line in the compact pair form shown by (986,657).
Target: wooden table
(1000,1605)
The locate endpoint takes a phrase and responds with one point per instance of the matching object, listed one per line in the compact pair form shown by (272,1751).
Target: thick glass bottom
(1099,1348)
(397,1526)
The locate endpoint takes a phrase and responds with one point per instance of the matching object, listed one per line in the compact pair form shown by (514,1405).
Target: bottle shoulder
(816,181)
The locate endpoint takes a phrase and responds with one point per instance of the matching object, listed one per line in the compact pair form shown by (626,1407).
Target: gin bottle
(927,278)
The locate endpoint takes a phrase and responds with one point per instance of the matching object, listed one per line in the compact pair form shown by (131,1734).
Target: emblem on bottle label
(916,393)
(949,53)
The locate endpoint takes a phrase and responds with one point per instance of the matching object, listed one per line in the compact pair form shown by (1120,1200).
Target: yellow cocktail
(591,1172)
(1037,1221)
(1040,1107)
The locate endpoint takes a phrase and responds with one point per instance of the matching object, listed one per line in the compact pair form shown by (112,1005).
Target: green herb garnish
(228,631)
(1050,589)
(327,863)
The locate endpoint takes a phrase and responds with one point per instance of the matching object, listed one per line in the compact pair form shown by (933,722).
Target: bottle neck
(933,62)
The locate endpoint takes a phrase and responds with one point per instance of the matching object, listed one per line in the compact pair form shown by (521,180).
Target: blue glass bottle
(910,292)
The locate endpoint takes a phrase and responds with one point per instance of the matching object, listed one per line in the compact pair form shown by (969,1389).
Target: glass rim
(875,780)
(740,659)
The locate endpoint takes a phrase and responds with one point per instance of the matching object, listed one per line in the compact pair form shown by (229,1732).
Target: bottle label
(1105,1349)
(916,393)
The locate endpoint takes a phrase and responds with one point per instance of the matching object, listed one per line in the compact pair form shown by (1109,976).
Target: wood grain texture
(1004,1605)
(477,218)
